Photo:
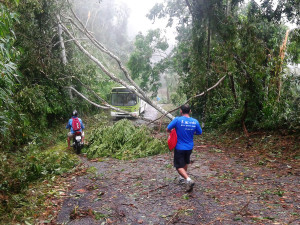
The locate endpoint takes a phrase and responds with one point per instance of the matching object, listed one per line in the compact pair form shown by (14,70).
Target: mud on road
(229,189)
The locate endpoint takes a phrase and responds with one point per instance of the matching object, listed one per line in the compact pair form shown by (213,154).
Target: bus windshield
(123,99)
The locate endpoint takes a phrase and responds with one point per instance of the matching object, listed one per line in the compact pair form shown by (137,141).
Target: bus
(123,98)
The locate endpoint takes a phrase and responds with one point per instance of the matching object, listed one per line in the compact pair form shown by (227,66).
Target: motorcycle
(77,142)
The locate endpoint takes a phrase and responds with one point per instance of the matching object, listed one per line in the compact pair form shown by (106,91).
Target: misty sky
(139,22)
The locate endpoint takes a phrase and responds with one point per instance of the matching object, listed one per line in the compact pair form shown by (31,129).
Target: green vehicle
(124,99)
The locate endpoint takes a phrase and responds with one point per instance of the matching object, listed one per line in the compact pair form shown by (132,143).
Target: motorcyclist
(72,132)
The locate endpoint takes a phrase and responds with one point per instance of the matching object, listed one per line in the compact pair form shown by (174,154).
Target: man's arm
(198,129)
(171,125)
(68,125)
(81,123)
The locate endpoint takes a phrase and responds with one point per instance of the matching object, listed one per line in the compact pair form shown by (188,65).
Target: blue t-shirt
(185,127)
(69,125)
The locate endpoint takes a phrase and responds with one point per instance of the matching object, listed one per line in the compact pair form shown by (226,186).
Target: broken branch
(201,94)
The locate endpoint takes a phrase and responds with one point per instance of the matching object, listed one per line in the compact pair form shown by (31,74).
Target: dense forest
(56,55)
(250,44)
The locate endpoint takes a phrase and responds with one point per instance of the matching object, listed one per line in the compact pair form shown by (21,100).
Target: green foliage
(293,47)
(32,86)
(123,141)
(27,175)
(148,48)
(18,170)
(41,103)
(178,98)
(21,175)
(8,67)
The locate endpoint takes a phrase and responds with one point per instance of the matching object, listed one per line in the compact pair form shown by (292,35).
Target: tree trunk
(227,7)
(233,87)
(207,66)
(62,44)
(189,6)
(63,54)
(279,67)
(244,115)
(168,94)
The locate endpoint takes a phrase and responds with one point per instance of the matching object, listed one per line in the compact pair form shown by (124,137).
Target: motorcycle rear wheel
(77,148)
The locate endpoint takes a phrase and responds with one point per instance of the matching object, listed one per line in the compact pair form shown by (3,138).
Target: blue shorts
(181,158)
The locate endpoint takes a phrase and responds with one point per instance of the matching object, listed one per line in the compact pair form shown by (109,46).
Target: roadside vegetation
(30,176)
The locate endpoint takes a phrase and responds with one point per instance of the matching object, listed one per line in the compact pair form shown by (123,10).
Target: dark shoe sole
(181,182)
(190,187)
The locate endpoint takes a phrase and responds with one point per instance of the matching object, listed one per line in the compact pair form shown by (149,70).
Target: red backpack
(76,124)
(172,139)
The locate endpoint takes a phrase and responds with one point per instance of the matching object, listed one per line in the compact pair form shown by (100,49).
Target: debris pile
(124,141)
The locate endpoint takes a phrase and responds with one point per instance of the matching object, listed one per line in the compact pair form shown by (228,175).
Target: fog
(137,20)
(112,21)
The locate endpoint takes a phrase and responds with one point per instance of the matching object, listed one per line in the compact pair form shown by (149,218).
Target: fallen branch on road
(160,187)
(243,211)
(173,217)
(201,94)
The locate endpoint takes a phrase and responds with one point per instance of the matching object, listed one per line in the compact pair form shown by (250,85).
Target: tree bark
(102,48)
(168,94)
(61,41)
(228,9)
(189,6)
(279,66)
(244,115)
(63,54)
(208,44)
(207,66)
(233,87)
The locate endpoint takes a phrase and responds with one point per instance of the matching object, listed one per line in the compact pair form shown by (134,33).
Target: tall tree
(226,37)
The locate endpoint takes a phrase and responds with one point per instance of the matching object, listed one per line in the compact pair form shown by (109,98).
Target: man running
(186,127)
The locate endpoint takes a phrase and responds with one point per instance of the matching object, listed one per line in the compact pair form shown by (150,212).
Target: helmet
(74,113)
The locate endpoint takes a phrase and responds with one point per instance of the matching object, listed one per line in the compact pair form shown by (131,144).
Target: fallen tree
(129,84)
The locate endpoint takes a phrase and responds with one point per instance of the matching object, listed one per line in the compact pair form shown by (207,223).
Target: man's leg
(189,182)
(179,161)
(69,145)
(185,167)
(70,135)
(82,136)
(185,160)
(183,172)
